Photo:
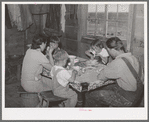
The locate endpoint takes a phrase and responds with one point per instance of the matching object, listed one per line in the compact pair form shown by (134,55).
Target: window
(108,20)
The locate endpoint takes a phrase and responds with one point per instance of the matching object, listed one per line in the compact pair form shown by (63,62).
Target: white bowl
(72,56)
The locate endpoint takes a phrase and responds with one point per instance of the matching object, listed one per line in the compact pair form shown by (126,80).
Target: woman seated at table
(33,63)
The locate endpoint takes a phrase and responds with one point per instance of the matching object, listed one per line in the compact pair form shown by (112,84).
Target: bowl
(76,60)
(72,56)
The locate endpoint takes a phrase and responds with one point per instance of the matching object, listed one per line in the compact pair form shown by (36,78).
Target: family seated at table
(44,53)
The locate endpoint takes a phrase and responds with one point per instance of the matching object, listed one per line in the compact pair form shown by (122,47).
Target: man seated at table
(125,89)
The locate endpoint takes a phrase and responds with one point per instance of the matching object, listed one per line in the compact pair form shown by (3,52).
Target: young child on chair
(61,78)
(97,51)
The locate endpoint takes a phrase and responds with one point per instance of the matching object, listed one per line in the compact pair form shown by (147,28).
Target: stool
(50,98)
(29,99)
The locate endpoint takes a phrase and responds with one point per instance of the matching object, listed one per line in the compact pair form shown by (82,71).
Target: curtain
(20,16)
(63,12)
(53,17)
(15,15)
(7,18)
(26,16)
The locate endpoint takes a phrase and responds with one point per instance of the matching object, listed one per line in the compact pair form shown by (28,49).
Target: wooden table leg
(18,72)
(80,99)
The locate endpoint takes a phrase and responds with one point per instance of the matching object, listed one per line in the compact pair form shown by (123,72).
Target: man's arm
(111,71)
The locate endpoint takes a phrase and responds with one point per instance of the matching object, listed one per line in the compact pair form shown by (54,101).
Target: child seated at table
(97,52)
(52,42)
(61,78)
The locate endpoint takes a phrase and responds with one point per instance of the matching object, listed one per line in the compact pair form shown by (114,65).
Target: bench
(31,99)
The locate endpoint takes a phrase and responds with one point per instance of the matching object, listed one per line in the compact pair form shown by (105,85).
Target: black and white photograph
(74,60)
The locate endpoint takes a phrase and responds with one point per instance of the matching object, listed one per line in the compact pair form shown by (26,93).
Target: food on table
(98,70)
(91,62)
(88,76)
(76,68)
(81,64)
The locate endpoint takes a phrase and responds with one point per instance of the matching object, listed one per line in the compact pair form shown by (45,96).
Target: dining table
(86,79)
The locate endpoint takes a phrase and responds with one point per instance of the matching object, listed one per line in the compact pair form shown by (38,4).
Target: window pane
(100,28)
(100,11)
(112,11)
(90,27)
(91,19)
(91,11)
(111,29)
(123,10)
(122,29)
(92,8)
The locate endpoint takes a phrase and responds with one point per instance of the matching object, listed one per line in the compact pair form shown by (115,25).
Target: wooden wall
(137,46)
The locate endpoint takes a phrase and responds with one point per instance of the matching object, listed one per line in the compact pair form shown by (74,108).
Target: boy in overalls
(61,78)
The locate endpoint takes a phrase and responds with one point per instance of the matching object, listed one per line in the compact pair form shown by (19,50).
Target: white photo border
(75,113)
